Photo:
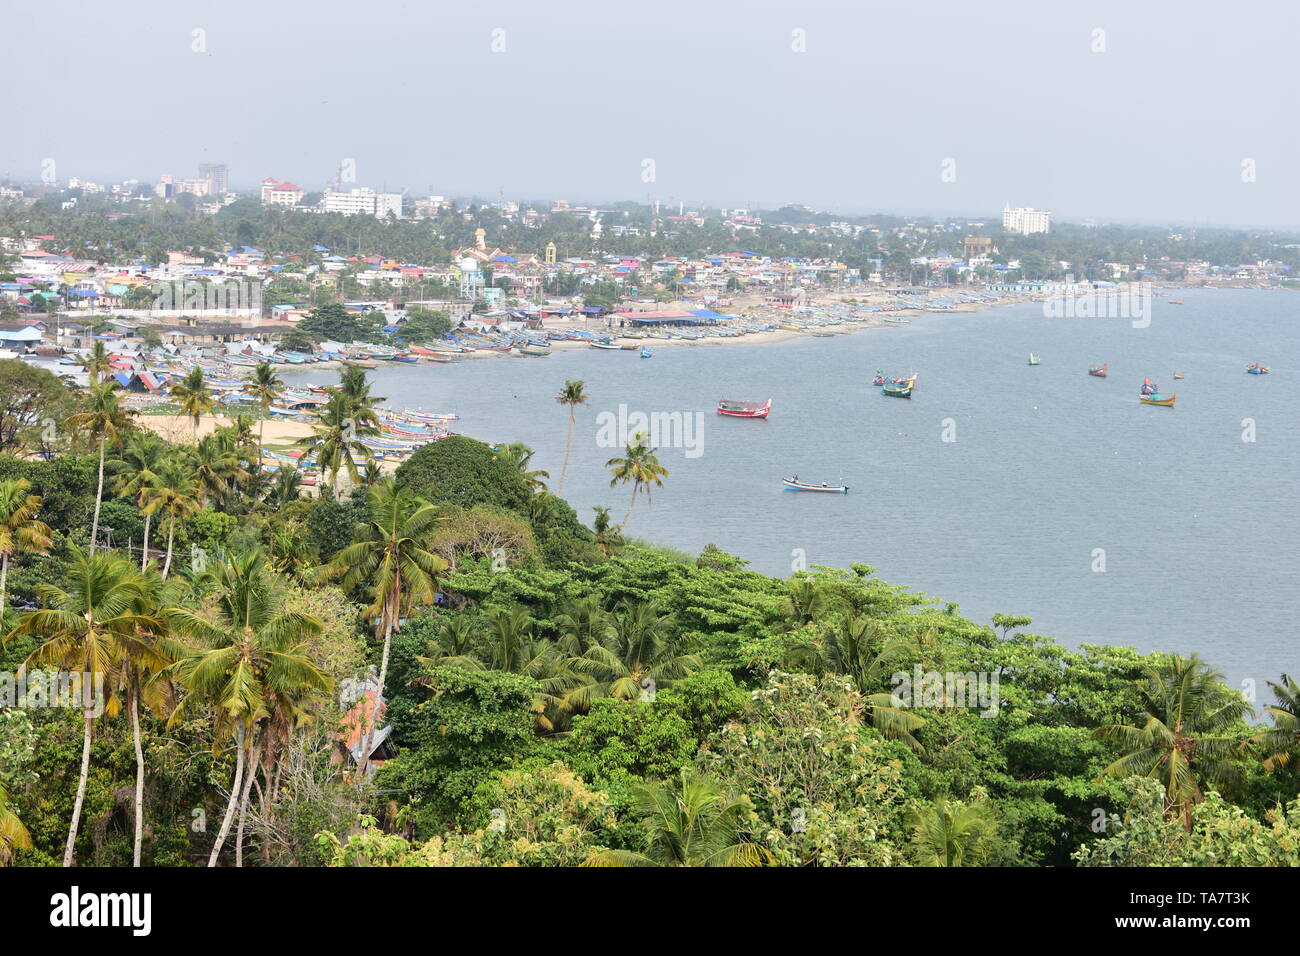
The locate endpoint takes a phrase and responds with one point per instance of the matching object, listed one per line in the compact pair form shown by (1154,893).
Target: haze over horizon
(941,110)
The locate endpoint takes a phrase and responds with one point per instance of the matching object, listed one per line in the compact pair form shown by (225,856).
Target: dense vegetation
(555,694)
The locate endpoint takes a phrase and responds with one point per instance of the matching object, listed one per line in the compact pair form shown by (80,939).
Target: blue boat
(646,353)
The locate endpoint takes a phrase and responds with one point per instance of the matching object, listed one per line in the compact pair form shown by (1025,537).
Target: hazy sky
(1154,128)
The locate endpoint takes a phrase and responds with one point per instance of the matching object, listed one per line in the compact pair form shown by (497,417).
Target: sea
(999,486)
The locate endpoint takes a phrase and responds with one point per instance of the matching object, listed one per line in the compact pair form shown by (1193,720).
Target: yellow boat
(1165,401)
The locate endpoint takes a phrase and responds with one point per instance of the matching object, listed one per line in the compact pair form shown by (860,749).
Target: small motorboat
(1099,370)
(1034,359)
(735,409)
(1258,369)
(1179,375)
(899,387)
(794,484)
(606,345)
(1174,301)
(647,353)
(1165,401)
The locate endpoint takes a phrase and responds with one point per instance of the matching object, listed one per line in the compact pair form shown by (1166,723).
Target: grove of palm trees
(551,692)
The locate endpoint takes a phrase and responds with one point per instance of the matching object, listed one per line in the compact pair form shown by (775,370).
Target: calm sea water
(1053,474)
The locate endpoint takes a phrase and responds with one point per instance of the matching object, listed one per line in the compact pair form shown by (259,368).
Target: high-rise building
(218,177)
(1026,221)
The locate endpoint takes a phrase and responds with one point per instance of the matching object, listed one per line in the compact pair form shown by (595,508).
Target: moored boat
(1179,375)
(1099,370)
(1166,401)
(647,353)
(1258,369)
(794,484)
(736,409)
(1034,359)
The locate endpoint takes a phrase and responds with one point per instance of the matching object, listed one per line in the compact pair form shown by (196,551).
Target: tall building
(280,194)
(218,177)
(363,201)
(1026,221)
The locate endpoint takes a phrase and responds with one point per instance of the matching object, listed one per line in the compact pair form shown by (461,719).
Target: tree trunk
(139,771)
(99,496)
(171,536)
(629,510)
(4,577)
(81,790)
(253,759)
(144,558)
(235,790)
(363,764)
(568,445)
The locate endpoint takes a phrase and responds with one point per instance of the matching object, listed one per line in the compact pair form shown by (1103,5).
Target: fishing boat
(1034,359)
(1099,370)
(606,345)
(1166,401)
(902,389)
(531,349)
(409,359)
(879,379)
(735,409)
(647,353)
(1174,301)
(357,363)
(1179,375)
(1258,369)
(794,484)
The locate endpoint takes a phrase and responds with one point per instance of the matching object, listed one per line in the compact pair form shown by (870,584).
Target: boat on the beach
(358,363)
(531,349)
(794,484)
(609,346)
(1258,369)
(1099,370)
(1034,359)
(1166,401)
(737,409)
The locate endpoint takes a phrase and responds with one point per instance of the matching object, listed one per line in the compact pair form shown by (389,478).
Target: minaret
(550,253)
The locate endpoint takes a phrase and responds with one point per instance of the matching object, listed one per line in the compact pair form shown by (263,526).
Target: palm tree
(641,651)
(1182,739)
(583,624)
(335,440)
(104,418)
(137,476)
(253,663)
(689,822)
(572,395)
(953,835)
(390,553)
(862,650)
(354,387)
(83,630)
(192,395)
(99,362)
(19,529)
(217,468)
(520,456)
(174,498)
(13,835)
(1282,743)
(608,538)
(267,387)
(286,486)
(640,468)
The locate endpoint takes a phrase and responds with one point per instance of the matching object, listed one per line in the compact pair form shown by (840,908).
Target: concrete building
(280,194)
(363,201)
(1025,221)
(217,176)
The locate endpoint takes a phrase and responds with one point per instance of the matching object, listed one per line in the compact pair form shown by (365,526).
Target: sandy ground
(175,428)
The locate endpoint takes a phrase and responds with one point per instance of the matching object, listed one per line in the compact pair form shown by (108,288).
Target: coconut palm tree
(286,486)
(82,629)
(354,387)
(193,396)
(583,623)
(335,440)
(1282,743)
(98,363)
(13,835)
(267,387)
(1183,738)
(864,651)
(640,468)
(106,419)
(520,456)
(689,821)
(217,467)
(641,652)
(252,661)
(946,834)
(391,555)
(176,499)
(571,396)
(608,538)
(19,529)
(137,476)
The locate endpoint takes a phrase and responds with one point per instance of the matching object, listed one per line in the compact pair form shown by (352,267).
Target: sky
(1179,111)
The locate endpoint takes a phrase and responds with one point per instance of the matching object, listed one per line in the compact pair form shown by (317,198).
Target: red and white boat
(727,406)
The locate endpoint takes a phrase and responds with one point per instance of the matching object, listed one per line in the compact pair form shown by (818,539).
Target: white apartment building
(1026,221)
(280,194)
(363,201)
